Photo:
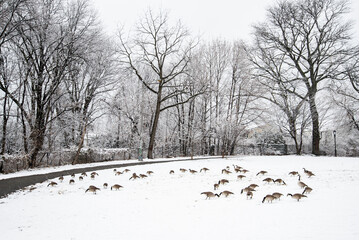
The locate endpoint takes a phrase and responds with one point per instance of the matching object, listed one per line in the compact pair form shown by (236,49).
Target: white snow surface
(170,206)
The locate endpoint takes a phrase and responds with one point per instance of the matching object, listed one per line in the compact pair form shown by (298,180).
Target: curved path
(10,185)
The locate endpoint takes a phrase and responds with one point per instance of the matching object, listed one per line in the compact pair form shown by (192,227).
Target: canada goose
(172,172)
(293,173)
(94,173)
(126,170)
(118,173)
(296,196)
(149,172)
(81,178)
(300,183)
(216,186)
(105,185)
(72,181)
(183,170)
(277,195)
(268,198)
(268,180)
(192,171)
(237,170)
(249,195)
(52,184)
(240,177)
(116,187)
(84,174)
(225,171)
(92,189)
(253,186)
(143,176)
(280,181)
(261,172)
(247,189)
(226,193)
(210,195)
(73,175)
(61,178)
(223,181)
(93,177)
(309,174)
(244,170)
(307,190)
(237,167)
(134,176)
(204,169)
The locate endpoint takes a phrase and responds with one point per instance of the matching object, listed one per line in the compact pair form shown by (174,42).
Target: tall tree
(158,54)
(94,78)
(269,69)
(10,18)
(314,41)
(46,45)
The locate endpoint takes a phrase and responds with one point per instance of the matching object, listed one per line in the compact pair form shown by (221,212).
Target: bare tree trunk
(37,140)
(4,127)
(315,125)
(80,145)
(155,124)
(24,133)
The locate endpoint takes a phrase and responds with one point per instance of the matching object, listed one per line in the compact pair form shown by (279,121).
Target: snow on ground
(170,206)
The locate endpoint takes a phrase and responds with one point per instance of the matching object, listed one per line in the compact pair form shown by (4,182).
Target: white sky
(230,19)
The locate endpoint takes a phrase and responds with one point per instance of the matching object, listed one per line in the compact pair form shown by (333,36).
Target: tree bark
(315,125)
(37,140)
(80,145)
(155,123)
(4,127)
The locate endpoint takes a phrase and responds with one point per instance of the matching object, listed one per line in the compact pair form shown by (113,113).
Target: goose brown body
(92,189)
(52,184)
(268,198)
(223,181)
(296,196)
(307,190)
(261,172)
(210,195)
(226,193)
(116,187)
(277,195)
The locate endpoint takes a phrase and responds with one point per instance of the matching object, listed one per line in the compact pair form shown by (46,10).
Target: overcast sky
(230,19)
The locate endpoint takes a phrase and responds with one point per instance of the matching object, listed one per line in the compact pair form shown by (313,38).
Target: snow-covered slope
(170,206)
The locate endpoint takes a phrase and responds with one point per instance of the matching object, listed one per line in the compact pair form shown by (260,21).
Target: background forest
(72,93)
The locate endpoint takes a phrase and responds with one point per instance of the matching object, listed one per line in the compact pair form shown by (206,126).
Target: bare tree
(46,44)
(242,108)
(9,20)
(94,78)
(346,94)
(158,55)
(270,71)
(314,43)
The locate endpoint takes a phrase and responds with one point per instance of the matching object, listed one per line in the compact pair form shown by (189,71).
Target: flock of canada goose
(93,189)
(250,189)
(241,173)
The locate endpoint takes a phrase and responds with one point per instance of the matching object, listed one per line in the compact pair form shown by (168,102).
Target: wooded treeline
(63,80)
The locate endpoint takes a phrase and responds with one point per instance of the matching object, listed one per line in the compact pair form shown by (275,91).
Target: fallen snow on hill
(170,206)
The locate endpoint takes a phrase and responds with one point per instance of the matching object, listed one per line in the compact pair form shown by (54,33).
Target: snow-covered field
(170,206)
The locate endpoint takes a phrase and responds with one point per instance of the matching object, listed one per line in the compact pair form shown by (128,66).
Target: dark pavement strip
(10,185)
